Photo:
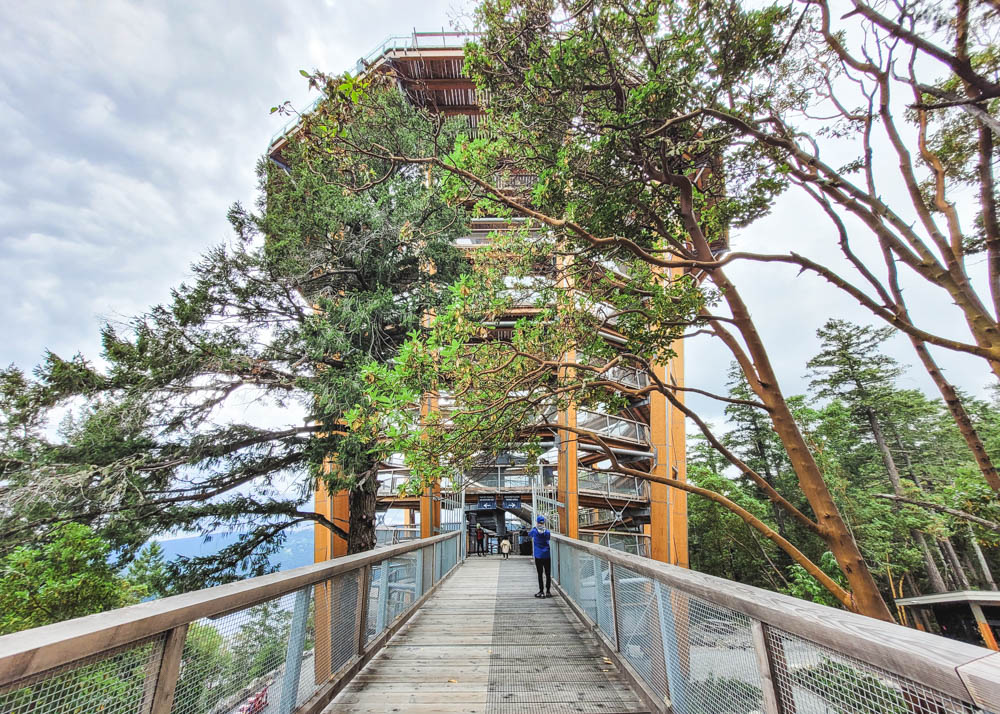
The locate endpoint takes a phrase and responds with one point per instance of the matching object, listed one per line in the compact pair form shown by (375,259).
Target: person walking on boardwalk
(540,537)
(505,547)
(480,540)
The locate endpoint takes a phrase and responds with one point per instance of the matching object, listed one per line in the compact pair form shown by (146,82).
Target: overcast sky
(129,128)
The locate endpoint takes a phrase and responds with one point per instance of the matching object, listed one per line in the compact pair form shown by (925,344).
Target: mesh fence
(811,679)
(116,682)
(700,657)
(639,634)
(449,556)
(605,613)
(402,585)
(336,627)
(243,660)
(709,655)
(427,565)
(586,584)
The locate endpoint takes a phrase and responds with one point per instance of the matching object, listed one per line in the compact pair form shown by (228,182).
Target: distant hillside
(298,550)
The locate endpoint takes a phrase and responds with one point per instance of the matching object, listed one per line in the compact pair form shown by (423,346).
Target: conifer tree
(320,283)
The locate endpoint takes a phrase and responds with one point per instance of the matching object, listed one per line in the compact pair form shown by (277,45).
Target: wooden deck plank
(483,644)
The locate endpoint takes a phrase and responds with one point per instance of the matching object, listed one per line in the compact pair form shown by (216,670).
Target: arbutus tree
(594,101)
(911,91)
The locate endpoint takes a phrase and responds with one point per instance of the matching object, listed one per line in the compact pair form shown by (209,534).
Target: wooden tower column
(567,485)
(678,465)
(659,493)
(668,506)
(327,545)
(430,501)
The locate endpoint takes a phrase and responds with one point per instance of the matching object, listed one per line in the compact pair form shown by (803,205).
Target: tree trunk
(933,574)
(949,549)
(949,570)
(764,382)
(981,558)
(362,513)
(961,417)
(887,460)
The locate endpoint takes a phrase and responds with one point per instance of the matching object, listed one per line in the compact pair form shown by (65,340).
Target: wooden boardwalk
(483,643)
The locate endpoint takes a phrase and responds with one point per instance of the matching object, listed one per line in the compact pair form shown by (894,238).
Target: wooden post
(568,489)
(170,667)
(984,627)
(678,464)
(763,655)
(660,494)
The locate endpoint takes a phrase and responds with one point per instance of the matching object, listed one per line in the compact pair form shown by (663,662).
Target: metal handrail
(642,542)
(43,651)
(917,666)
(612,484)
(613,426)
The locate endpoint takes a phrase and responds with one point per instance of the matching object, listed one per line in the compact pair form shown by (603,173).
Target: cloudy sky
(129,128)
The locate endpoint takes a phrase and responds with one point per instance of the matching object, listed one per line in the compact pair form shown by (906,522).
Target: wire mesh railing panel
(811,679)
(116,682)
(377,601)
(449,556)
(452,516)
(427,565)
(605,612)
(709,656)
(402,585)
(236,659)
(438,554)
(640,641)
(336,604)
(569,572)
(586,580)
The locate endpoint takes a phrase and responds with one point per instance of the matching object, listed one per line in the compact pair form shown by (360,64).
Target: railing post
(170,667)
(293,655)
(361,617)
(614,604)
(762,652)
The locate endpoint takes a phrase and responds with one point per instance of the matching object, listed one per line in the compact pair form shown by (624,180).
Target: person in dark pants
(480,540)
(540,537)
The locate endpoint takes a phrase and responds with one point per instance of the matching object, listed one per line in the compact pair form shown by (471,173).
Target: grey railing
(611,484)
(280,643)
(592,516)
(625,541)
(392,535)
(499,477)
(696,643)
(613,427)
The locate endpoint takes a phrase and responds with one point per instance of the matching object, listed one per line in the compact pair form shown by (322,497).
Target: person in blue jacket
(540,536)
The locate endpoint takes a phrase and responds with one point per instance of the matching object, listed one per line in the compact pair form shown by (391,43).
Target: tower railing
(286,642)
(614,427)
(612,484)
(696,643)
